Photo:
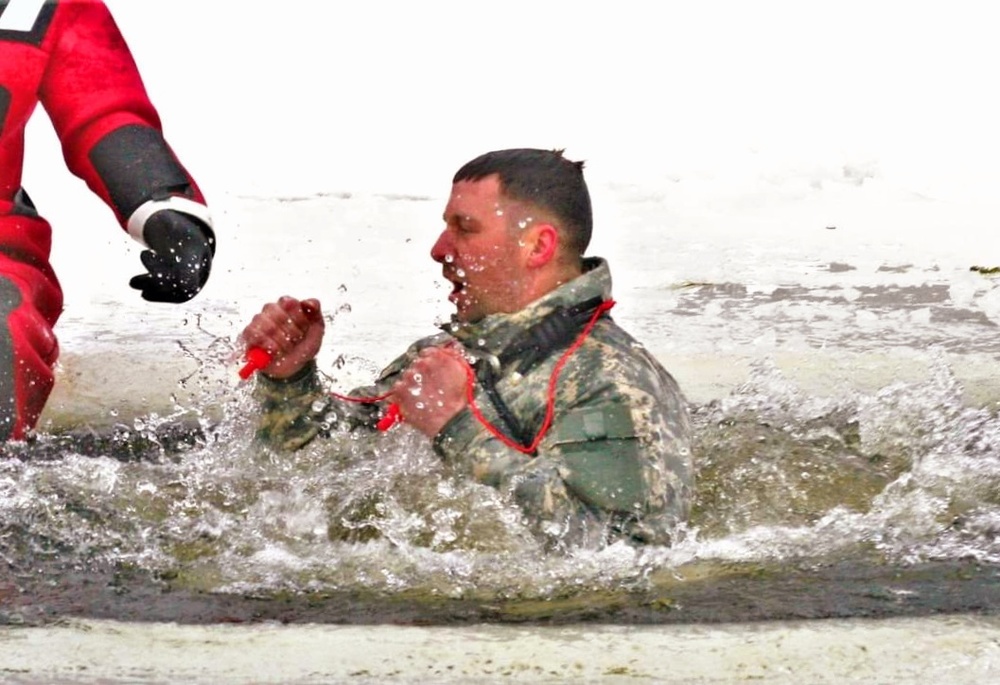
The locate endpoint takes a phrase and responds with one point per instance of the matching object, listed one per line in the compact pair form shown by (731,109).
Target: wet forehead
(476,199)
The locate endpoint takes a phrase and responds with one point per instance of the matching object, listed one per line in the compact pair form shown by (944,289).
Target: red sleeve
(93,88)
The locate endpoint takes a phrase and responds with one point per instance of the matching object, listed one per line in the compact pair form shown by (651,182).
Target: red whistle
(391,418)
(257,359)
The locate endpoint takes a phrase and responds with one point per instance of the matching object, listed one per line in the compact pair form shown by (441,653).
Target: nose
(442,248)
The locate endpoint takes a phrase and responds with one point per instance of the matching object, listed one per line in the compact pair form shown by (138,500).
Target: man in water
(70,57)
(531,388)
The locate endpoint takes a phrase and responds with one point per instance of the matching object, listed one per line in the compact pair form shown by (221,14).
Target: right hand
(290,330)
(178,260)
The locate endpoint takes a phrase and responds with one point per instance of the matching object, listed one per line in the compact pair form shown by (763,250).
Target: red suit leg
(30,304)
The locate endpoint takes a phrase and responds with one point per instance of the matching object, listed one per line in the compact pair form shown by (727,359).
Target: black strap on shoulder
(558,329)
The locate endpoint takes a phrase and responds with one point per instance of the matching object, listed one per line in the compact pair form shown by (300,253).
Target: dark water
(875,504)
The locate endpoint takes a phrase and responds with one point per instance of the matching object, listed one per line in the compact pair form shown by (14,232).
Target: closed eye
(462,224)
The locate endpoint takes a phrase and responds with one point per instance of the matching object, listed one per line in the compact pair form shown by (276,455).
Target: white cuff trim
(137,222)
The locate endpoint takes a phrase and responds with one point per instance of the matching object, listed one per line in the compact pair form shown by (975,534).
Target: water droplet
(449,258)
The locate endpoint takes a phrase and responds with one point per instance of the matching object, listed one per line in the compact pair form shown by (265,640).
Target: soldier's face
(480,252)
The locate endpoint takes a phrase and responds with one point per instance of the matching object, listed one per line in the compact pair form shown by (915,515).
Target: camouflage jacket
(616,461)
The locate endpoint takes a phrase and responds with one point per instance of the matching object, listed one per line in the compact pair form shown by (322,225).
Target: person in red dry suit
(71,57)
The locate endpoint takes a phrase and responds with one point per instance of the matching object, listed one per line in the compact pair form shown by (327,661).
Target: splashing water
(908,472)
(905,476)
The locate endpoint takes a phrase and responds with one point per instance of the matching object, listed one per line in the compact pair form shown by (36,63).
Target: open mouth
(457,287)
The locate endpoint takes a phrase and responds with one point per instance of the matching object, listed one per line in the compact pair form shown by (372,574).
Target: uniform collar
(492,334)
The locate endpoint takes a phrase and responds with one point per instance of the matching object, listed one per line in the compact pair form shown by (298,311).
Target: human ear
(544,244)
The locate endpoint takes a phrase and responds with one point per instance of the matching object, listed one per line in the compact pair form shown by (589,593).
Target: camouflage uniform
(616,461)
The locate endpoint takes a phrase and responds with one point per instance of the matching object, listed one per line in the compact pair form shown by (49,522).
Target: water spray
(258,358)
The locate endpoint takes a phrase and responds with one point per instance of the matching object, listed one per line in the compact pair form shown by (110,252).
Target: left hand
(432,389)
(179,260)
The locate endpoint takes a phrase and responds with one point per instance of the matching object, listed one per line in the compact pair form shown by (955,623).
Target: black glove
(179,260)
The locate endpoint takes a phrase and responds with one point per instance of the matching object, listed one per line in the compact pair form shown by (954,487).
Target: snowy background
(272,98)
(723,141)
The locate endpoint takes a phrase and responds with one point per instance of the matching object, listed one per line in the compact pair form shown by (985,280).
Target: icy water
(841,377)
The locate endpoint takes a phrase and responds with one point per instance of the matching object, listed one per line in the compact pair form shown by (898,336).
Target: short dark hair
(543,178)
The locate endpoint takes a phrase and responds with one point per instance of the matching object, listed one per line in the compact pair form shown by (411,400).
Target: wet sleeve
(296,410)
(601,456)
(630,455)
(292,410)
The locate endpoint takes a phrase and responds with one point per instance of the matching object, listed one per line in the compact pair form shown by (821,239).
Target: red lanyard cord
(392,414)
(258,359)
(551,392)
